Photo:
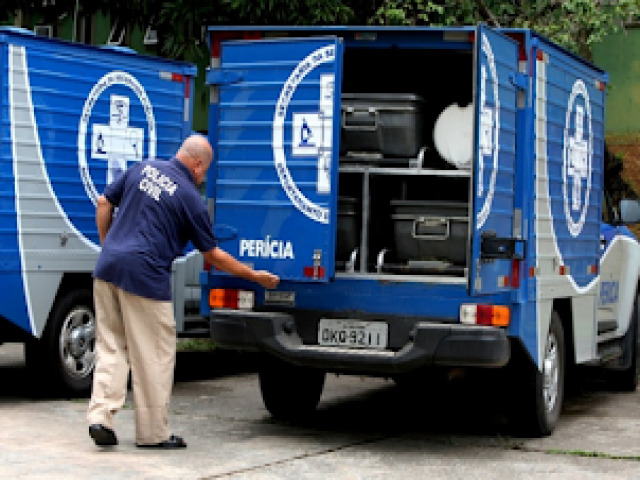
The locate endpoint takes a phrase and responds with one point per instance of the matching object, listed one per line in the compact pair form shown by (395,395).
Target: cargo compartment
(414,206)
(353,115)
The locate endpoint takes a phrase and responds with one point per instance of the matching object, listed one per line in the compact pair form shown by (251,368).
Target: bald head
(196,154)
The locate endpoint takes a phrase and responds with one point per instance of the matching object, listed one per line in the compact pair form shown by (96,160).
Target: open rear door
(276,154)
(494,237)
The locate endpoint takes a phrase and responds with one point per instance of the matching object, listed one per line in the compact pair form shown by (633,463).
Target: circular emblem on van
(577,158)
(488,133)
(307,127)
(114,139)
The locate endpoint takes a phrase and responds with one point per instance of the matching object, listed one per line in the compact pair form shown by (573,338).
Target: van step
(609,351)
(605,326)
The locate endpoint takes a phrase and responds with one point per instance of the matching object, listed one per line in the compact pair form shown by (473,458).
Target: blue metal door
(276,154)
(494,160)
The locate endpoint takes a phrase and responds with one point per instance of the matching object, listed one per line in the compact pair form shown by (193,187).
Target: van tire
(539,394)
(625,378)
(63,360)
(289,392)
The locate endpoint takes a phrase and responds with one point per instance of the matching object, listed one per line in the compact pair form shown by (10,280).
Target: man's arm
(104,215)
(224,261)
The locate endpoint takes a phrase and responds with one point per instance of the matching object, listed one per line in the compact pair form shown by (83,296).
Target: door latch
(493,247)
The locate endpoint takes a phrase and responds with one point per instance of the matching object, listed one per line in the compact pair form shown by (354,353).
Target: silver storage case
(430,230)
(383,124)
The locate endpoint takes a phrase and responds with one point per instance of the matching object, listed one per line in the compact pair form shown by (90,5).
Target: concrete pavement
(365,429)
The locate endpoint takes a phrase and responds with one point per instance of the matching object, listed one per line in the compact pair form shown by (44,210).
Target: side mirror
(629,211)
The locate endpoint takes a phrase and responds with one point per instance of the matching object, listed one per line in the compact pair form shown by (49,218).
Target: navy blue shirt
(160,210)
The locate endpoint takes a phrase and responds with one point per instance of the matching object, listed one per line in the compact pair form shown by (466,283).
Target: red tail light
(475,314)
(231,298)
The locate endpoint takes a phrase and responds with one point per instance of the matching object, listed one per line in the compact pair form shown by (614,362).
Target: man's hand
(267,279)
(223,261)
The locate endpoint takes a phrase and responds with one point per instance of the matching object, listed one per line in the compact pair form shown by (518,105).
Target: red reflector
(483,314)
(563,270)
(515,273)
(313,272)
(540,55)
(177,77)
(187,87)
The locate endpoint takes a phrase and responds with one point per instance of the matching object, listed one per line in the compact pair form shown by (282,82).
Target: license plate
(352,333)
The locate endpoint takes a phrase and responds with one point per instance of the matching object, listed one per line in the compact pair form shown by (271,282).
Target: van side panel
(75,117)
(12,304)
(569,141)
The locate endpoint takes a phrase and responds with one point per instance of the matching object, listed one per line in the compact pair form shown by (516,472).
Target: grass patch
(196,345)
(588,454)
(577,453)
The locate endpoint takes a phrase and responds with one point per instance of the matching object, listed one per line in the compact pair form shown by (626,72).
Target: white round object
(453,135)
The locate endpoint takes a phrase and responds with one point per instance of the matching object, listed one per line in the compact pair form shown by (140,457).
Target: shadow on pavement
(461,406)
(470,406)
(18,382)
(192,366)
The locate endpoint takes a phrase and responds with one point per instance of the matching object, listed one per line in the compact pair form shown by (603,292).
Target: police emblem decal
(118,141)
(577,158)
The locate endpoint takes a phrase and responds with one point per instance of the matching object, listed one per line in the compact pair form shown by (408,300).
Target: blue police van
(432,198)
(73,117)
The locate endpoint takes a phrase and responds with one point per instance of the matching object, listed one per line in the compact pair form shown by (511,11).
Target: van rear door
(493,238)
(275,142)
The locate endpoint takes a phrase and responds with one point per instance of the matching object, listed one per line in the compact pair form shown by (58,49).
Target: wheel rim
(550,373)
(77,342)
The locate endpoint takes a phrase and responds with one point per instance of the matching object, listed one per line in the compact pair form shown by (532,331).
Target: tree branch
(487,13)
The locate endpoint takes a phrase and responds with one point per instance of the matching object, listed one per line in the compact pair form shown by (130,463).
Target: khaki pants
(137,333)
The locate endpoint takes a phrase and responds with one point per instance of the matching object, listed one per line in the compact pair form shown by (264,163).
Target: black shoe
(173,442)
(102,436)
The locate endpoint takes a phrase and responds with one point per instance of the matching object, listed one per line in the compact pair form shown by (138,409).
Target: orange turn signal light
(494,315)
(231,298)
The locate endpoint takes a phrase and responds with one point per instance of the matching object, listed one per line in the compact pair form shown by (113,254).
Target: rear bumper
(431,344)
